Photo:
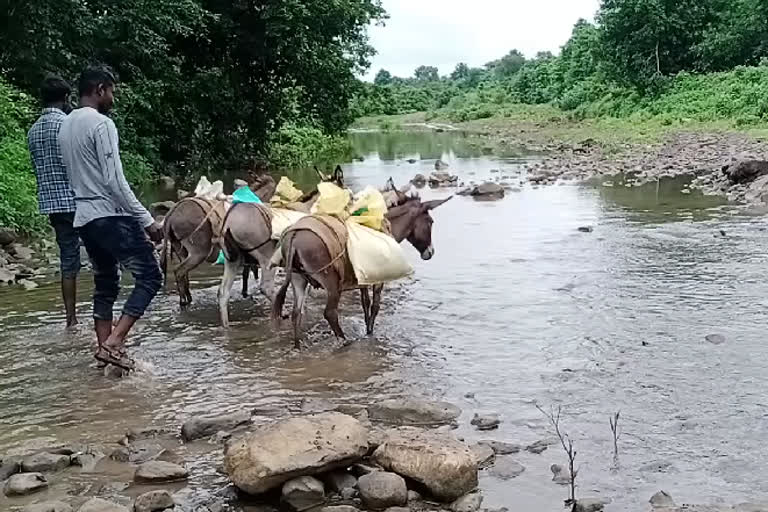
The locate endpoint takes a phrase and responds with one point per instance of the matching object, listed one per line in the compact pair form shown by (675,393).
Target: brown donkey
(247,235)
(191,229)
(313,258)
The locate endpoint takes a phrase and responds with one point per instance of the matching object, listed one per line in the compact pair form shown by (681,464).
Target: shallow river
(518,307)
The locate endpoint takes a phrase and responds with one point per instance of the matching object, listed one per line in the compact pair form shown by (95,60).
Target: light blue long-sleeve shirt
(91,153)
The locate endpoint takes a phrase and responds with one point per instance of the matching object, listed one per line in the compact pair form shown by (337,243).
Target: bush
(303,145)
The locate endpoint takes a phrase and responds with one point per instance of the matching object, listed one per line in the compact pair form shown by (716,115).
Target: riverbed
(518,307)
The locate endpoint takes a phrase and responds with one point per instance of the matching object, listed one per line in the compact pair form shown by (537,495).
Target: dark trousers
(69,243)
(115,241)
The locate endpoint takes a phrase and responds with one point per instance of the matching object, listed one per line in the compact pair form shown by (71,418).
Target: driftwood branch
(565,441)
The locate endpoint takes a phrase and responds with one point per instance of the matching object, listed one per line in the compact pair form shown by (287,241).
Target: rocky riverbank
(398,455)
(22,264)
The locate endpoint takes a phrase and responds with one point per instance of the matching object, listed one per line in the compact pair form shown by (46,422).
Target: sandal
(117,358)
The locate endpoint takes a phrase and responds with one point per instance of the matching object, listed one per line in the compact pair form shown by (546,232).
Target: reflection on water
(517,307)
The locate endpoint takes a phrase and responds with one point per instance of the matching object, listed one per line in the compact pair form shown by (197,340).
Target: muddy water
(516,308)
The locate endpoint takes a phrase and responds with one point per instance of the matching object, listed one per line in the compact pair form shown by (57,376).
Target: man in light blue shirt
(115,227)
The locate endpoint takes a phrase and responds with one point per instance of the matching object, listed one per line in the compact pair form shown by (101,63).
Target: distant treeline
(687,59)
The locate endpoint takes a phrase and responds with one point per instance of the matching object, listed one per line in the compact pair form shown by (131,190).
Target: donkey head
(336,177)
(411,221)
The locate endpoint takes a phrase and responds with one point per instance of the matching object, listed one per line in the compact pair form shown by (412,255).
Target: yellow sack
(333,200)
(282,219)
(286,192)
(375,256)
(369,208)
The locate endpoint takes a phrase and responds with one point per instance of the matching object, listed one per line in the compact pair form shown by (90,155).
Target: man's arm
(108,151)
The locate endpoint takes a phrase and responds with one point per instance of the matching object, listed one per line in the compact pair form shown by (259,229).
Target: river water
(518,307)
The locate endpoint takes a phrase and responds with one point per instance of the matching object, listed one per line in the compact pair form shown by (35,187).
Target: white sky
(443,33)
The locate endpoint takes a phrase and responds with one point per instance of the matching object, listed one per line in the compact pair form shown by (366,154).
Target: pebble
(381,490)
(48,506)
(22,484)
(540,446)
(42,462)
(507,469)
(662,499)
(486,422)
(154,501)
(303,493)
(469,503)
(502,448)
(560,475)
(715,339)
(100,505)
(159,471)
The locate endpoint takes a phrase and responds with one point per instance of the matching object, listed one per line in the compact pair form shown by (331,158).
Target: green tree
(461,72)
(508,65)
(383,77)
(643,39)
(426,74)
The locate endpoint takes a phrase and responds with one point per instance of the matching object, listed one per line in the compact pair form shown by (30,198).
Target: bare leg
(116,340)
(103,330)
(69,294)
(225,289)
(299,284)
(376,304)
(365,299)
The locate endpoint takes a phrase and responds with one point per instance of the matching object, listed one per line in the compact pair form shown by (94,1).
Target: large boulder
(746,170)
(281,451)
(488,190)
(445,466)
(7,236)
(380,490)
(22,484)
(199,426)
(303,493)
(413,412)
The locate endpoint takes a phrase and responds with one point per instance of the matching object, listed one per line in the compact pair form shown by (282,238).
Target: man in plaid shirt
(54,194)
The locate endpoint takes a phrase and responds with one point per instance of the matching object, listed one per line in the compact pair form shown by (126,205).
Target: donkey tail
(279,302)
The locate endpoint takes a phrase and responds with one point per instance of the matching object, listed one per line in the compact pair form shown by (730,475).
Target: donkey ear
(390,185)
(338,174)
(431,205)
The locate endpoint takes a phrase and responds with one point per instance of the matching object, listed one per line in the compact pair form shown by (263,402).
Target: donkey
(190,229)
(247,233)
(309,260)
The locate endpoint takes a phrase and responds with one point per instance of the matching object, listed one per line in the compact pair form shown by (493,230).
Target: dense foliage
(679,60)
(204,82)
(18,189)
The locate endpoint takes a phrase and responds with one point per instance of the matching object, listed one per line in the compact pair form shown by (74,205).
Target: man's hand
(155,232)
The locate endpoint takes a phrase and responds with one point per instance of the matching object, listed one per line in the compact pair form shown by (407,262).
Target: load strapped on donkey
(350,243)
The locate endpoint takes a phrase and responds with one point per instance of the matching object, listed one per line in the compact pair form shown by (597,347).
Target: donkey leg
(299,284)
(365,299)
(246,272)
(377,289)
(225,289)
(194,258)
(332,286)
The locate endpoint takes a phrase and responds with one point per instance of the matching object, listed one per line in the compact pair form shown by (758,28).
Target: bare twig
(565,441)
(614,422)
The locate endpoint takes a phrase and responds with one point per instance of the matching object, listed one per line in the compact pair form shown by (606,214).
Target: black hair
(54,89)
(92,77)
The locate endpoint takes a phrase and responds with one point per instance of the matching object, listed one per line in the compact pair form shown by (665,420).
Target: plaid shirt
(54,194)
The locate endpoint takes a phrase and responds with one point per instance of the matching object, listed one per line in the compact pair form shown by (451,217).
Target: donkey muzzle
(428,253)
